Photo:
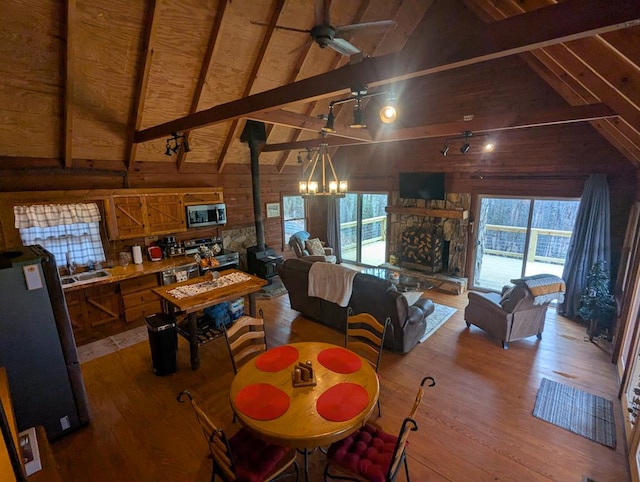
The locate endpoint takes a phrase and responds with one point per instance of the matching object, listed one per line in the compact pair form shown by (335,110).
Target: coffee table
(404,282)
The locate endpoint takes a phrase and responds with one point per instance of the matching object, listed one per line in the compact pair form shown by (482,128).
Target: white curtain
(48,215)
(590,241)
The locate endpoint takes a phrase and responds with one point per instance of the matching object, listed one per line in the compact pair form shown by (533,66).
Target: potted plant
(597,304)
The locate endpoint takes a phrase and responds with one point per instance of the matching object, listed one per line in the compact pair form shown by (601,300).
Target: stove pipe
(254,133)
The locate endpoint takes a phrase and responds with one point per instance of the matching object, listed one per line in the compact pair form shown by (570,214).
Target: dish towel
(331,282)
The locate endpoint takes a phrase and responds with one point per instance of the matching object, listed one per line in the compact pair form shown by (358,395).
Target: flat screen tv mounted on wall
(422,185)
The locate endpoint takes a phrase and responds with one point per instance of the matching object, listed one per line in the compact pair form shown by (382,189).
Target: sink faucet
(71,266)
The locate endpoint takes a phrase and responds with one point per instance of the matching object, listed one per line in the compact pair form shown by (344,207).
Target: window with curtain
(69,231)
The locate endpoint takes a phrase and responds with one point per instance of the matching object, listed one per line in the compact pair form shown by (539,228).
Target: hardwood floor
(474,425)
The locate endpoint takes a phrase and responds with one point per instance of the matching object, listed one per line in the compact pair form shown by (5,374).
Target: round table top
(301,426)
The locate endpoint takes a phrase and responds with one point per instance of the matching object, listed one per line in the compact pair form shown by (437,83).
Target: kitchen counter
(121,273)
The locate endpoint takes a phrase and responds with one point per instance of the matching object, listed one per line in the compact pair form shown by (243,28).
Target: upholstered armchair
(509,316)
(310,249)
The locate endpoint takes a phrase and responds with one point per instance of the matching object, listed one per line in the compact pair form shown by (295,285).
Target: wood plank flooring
(474,425)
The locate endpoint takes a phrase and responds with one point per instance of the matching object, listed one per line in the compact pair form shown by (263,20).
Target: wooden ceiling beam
(252,78)
(514,35)
(67,101)
(564,115)
(135,116)
(205,69)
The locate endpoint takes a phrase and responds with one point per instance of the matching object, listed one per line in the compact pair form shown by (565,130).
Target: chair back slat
(365,336)
(245,338)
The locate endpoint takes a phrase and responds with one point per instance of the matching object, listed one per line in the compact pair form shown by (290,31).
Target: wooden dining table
(267,403)
(192,305)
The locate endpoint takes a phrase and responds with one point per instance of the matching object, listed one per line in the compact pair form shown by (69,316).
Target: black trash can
(163,339)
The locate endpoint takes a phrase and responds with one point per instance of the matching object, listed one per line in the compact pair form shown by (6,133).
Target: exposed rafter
(67,125)
(252,78)
(479,124)
(135,118)
(521,33)
(205,70)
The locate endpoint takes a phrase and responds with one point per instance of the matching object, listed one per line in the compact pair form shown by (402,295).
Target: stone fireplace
(422,248)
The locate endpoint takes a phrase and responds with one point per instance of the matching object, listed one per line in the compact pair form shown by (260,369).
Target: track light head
(328,127)
(465,148)
(358,117)
(444,150)
(299,158)
(489,146)
(185,144)
(168,151)
(389,113)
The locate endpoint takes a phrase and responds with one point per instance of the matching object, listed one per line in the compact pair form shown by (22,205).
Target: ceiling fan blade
(255,22)
(343,47)
(382,24)
(304,45)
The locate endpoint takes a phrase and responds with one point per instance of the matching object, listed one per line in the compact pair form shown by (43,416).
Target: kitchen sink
(84,278)
(91,275)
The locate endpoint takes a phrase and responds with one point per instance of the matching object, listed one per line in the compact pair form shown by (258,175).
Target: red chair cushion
(367,453)
(253,458)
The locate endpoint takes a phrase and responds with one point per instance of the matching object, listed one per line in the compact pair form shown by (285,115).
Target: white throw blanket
(331,282)
(543,287)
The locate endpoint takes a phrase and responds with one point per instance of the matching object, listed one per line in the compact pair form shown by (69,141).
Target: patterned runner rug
(577,411)
(436,319)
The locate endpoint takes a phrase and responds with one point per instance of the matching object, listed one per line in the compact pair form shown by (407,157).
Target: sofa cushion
(314,246)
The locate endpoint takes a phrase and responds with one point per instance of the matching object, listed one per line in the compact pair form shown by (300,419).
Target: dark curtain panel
(590,241)
(333,227)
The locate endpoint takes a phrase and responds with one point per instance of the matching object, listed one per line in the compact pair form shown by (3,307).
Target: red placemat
(262,401)
(277,359)
(342,402)
(339,360)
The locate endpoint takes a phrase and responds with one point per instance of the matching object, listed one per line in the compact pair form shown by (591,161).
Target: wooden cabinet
(94,312)
(135,213)
(138,299)
(138,215)
(165,213)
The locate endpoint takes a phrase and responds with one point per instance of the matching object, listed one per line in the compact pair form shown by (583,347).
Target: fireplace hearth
(422,248)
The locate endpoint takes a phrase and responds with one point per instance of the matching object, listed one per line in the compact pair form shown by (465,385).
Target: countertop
(121,273)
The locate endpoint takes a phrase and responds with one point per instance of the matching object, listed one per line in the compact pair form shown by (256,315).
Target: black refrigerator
(37,346)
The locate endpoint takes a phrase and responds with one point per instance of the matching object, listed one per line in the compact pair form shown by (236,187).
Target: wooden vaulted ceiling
(101,84)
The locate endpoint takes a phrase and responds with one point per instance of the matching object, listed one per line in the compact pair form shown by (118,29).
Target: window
(294,215)
(66,230)
(363,228)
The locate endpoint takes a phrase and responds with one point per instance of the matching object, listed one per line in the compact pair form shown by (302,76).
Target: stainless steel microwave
(206,215)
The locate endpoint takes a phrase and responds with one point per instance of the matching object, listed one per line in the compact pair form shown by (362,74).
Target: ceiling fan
(326,35)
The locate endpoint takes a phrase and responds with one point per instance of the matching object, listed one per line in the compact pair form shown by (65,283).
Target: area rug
(579,412)
(436,319)
(274,289)
(112,344)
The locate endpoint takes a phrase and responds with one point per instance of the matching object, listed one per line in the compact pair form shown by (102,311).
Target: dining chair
(365,336)
(242,457)
(371,454)
(246,338)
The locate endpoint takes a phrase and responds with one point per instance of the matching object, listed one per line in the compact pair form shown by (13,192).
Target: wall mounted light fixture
(488,145)
(172,149)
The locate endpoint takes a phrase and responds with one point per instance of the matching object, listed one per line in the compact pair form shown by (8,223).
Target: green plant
(597,304)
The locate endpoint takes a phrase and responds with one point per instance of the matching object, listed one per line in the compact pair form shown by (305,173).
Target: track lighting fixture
(388,112)
(308,151)
(488,146)
(170,150)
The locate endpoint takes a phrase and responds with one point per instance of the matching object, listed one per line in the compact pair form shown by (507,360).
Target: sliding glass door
(363,228)
(519,237)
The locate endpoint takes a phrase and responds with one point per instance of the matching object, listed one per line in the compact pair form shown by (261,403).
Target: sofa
(370,294)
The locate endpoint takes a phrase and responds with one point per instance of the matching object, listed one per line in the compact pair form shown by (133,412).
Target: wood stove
(263,262)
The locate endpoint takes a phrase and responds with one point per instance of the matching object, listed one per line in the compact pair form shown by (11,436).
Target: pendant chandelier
(322,184)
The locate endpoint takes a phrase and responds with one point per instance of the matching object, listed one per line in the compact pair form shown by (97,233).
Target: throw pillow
(412,296)
(314,246)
